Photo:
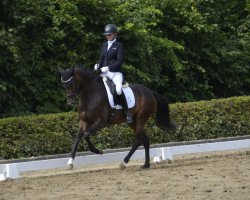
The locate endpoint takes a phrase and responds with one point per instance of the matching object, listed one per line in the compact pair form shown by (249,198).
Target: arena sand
(223,175)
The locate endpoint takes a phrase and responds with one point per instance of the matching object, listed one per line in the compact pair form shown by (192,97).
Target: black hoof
(86,135)
(145,167)
(100,152)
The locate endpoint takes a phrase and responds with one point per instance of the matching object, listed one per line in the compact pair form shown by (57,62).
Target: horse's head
(69,83)
(76,80)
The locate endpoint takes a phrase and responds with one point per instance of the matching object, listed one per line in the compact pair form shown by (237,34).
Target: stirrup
(129,118)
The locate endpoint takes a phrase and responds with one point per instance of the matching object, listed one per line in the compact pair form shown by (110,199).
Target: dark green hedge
(213,119)
(53,134)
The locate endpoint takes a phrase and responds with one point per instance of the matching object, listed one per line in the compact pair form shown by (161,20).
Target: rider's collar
(112,41)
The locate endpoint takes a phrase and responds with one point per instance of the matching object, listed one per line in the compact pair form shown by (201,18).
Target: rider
(110,63)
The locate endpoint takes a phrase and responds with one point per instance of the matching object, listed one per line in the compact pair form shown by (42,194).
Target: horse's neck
(84,85)
(85,80)
(91,90)
(92,99)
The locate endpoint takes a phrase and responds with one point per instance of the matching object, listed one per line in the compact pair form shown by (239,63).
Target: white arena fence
(12,168)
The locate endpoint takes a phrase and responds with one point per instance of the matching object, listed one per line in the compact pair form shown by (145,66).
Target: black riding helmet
(109,29)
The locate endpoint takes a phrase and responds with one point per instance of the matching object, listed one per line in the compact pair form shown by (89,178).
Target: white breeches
(117,78)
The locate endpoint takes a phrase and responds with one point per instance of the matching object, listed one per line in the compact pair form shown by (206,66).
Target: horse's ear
(59,70)
(79,65)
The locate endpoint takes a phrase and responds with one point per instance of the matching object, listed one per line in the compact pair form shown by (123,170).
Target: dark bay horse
(94,110)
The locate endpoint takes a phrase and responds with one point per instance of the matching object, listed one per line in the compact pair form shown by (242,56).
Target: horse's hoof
(122,166)
(69,166)
(101,152)
(145,167)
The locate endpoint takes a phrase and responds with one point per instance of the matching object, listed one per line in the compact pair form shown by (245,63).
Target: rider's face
(110,37)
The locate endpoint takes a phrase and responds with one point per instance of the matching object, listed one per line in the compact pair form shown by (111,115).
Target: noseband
(67,83)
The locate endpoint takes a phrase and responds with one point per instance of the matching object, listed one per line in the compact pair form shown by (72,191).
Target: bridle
(67,83)
(72,80)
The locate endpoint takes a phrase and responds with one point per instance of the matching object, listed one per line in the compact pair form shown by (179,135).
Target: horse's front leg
(92,129)
(92,148)
(73,152)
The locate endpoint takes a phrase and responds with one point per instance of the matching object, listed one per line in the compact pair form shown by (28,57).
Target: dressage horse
(95,111)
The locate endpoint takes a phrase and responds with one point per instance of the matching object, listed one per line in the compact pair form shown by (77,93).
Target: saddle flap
(111,91)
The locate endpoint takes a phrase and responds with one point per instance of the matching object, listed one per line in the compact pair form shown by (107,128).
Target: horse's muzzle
(71,100)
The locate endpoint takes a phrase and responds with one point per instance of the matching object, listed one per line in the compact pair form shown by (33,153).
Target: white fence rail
(12,170)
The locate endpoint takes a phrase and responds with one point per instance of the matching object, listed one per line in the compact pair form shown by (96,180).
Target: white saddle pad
(127,92)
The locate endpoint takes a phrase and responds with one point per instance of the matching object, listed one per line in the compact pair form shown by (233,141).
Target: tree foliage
(185,49)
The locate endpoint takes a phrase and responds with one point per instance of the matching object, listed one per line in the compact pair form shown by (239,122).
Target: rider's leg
(118,79)
(125,108)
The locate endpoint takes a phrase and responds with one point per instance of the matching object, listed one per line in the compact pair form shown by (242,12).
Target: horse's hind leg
(136,144)
(145,143)
(141,138)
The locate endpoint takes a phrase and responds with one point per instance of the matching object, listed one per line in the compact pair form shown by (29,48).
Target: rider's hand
(96,67)
(104,69)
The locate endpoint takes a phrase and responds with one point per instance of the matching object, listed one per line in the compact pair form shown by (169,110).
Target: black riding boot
(125,108)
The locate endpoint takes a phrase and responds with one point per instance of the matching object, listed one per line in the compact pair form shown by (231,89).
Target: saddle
(111,85)
(114,99)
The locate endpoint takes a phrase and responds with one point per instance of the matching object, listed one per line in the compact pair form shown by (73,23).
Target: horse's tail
(162,114)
